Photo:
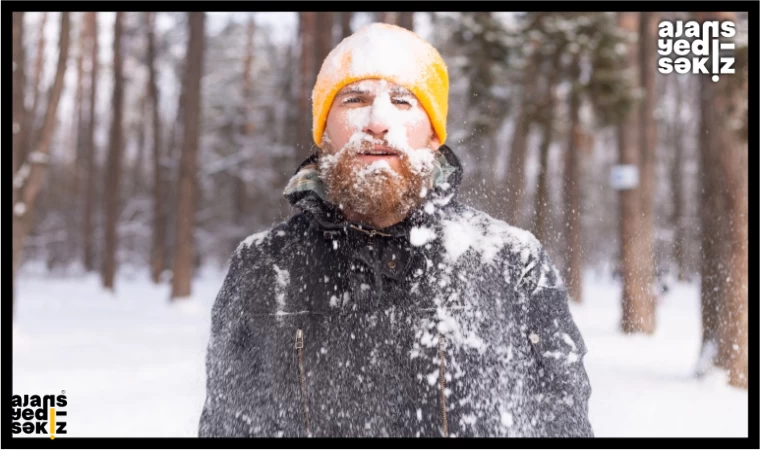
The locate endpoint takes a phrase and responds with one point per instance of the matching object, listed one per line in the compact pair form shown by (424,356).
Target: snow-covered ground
(132,363)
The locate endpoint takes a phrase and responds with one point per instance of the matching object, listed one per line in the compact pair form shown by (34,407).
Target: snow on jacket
(450,323)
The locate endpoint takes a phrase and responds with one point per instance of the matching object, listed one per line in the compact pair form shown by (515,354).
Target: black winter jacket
(450,323)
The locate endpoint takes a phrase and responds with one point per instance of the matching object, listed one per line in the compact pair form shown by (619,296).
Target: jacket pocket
(284,370)
(551,354)
(536,344)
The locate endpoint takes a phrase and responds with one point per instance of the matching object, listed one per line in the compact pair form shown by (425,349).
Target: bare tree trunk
(28,179)
(242,199)
(712,212)
(141,125)
(388,17)
(647,151)
(724,209)
(734,161)
(79,144)
(324,38)
(249,125)
(19,122)
(734,318)
(307,36)
(572,190)
(542,210)
(542,213)
(28,138)
(171,174)
(39,60)
(89,151)
(406,20)
(676,183)
(345,24)
(177,125)
(19,86)
(516,168)
(78,105)
(157,263)
(113,170)
(185,246)
(290,90)
(638,310)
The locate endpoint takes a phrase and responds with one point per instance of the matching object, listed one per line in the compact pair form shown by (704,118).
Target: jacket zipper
(442,385)
(302,379)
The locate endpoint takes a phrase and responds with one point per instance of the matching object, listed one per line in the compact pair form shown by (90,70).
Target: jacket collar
(305,191)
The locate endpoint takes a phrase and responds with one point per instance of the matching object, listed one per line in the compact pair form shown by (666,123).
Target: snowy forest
(147,146)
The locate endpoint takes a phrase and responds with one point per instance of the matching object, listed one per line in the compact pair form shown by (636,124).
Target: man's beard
(376,189)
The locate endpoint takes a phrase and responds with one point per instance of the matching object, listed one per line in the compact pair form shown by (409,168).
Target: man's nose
(377,126)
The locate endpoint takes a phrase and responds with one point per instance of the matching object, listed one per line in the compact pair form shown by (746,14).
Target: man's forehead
(367,87)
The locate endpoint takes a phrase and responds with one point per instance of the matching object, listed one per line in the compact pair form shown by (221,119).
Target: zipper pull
(299,338)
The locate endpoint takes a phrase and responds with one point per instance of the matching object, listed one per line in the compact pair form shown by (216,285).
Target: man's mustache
(367,145)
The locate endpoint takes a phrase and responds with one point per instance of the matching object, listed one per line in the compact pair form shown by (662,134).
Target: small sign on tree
(624,176)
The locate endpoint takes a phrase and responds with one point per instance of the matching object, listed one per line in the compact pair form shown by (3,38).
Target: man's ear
(325,145)
(435,143)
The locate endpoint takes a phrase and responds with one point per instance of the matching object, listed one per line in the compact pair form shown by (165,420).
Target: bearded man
(384,306)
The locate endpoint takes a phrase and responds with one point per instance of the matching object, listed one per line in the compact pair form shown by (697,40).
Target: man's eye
(352,100)
(401,101)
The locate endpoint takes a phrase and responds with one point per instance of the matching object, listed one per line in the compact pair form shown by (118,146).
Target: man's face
(378,149)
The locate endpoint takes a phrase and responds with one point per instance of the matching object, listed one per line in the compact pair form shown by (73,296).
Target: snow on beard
(376,189)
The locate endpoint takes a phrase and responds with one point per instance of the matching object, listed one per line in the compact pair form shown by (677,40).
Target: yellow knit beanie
(387,52)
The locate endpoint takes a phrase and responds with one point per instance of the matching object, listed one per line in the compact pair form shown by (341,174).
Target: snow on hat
(387,52)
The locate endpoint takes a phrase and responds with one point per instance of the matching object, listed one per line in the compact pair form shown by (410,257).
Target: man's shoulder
(464,227)
(497,241)
(271,240)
